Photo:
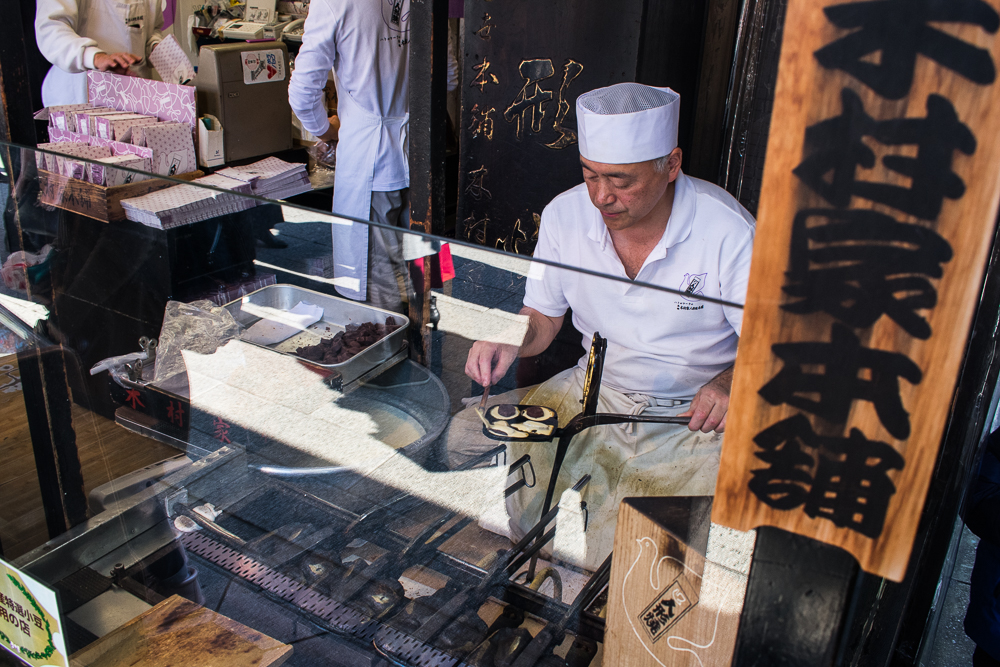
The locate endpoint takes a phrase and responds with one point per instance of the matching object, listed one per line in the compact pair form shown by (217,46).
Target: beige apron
(623,461)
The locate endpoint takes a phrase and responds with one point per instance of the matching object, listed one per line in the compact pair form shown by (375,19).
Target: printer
(245,86)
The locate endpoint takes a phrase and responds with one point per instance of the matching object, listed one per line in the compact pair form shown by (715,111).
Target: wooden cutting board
(179,632)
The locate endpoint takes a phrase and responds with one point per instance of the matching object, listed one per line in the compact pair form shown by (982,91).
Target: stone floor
(951,647)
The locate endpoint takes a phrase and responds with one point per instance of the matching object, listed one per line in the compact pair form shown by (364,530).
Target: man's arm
(55,32)
(711,403)
(156,35)
(488,362)
(306,93)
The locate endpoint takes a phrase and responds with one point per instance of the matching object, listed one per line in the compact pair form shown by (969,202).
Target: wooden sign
(667,605)
(525,65)
(29,620)
(877,213)
(178,631)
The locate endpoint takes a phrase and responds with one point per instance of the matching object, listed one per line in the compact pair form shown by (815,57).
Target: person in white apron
(366,43)
(639,218)
(106,35)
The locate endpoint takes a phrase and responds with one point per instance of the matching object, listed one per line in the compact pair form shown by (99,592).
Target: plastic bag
(199,326)
(324,154)
(15,269)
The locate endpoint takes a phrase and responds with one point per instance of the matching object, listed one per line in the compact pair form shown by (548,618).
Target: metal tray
(337,314)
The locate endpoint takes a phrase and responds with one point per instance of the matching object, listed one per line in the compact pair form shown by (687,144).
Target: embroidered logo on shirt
(693,284)
(396,16)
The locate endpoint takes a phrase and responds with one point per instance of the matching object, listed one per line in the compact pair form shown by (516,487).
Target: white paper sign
(29,620)
(260,11)
(263,66)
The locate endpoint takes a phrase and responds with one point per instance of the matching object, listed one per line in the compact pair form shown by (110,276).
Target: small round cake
(538,413)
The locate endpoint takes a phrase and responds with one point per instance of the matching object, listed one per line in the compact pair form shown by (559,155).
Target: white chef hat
(627,122)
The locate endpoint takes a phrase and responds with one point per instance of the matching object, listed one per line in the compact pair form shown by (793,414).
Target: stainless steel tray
(337,314)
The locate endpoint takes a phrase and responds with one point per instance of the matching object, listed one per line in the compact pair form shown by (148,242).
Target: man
(105,35)
(366,43)
(639,218)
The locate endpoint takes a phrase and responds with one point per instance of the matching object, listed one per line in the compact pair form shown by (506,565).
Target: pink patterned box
(57,135)
(117,128)
(64,164)
(139,133)
(119,148)
(173,148)
(171,62)
(166,101)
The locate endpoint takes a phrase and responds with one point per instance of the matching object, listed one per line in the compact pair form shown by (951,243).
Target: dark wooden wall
(516,154)
(22,69)
(508,176)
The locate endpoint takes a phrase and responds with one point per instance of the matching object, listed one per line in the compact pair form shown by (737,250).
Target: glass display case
(321,470)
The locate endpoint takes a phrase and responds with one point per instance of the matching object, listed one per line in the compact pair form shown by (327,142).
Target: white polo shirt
(659,344)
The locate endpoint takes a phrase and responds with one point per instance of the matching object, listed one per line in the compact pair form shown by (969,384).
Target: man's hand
(117,63)
(333,132)
(488,362)
(711,403)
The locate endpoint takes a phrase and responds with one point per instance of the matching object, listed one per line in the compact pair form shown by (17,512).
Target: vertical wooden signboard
(877,210)
(525,65)
(668,606)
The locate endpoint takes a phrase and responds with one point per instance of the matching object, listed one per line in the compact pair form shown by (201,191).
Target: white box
(210,143)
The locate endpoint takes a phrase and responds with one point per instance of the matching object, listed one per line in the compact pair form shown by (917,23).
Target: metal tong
(553,634)
(497,577)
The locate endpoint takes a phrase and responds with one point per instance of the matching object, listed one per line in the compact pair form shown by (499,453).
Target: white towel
(278,325)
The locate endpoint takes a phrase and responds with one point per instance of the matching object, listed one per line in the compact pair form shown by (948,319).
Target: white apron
(357,148)
(623,461)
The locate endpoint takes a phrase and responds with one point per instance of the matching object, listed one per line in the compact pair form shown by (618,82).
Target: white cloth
(279,325)
(627,123)
(366,42)
(71,32)
(659,344)
(644,460)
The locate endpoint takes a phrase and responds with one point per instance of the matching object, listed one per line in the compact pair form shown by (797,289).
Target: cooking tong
(467,602)
(587,418)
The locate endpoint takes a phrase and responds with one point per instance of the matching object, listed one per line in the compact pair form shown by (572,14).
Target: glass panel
(326,470)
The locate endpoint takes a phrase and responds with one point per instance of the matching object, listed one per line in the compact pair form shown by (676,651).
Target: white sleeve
(543,290)
(156,36)
(312,67)
(735,277)
(55,31)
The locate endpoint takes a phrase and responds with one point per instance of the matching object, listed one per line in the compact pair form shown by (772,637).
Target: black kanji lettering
(857,265)
(898,30)
(839,383)
(834,146)
(850,487)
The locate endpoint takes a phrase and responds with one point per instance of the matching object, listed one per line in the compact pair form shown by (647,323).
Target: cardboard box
(85,119)
(105,174)
(118,127)
(168,102)
(173,148)
(63,162)
(210,142)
